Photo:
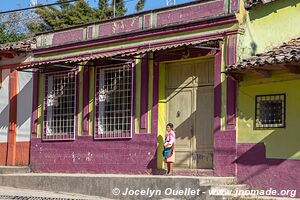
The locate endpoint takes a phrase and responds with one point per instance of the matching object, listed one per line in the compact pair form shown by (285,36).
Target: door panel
(189,91)
(179,77)
(204,73)
(180,114)
(201,73)
(203,153)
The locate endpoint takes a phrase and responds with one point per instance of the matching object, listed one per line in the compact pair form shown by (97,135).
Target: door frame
(162,101)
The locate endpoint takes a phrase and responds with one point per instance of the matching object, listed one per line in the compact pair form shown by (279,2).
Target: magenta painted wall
(147,21)
(225,153)
(186,14)
(85,105)
(234,5)
(90,32)
(192,11)
(225,149)
(144,95)
(231,84)
(67,36)
(262,173)
(136,155)
(35,104)
(122,26)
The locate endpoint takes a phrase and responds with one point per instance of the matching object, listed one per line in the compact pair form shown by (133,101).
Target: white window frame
(59,136)
(96,106)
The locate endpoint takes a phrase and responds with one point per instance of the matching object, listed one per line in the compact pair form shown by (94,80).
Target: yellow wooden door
(189,91)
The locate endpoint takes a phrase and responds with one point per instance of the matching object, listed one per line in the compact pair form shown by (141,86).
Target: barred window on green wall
(270,111)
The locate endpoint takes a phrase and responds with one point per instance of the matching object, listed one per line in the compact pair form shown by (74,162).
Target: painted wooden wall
(15,117)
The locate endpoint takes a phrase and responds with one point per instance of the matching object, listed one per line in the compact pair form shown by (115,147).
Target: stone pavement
(8,193)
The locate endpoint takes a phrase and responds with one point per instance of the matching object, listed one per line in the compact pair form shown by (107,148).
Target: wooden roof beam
(236,76)
(7,55)
(263,73)
(294,69)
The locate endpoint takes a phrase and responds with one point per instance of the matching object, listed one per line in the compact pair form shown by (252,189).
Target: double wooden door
(190,100)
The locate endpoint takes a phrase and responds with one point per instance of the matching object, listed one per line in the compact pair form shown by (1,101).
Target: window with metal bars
(59,122)
(113,102)
(270,111)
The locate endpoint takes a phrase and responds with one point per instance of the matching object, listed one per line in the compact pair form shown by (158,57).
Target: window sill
(59,137)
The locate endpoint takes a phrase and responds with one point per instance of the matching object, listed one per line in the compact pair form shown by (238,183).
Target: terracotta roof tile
(252,3)
(24,45)
(116,52)
(287,53)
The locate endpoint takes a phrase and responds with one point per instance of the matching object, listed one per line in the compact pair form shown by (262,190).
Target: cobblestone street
(8,193)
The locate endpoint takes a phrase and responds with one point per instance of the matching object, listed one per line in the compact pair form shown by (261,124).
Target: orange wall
(3,153)
(22,153)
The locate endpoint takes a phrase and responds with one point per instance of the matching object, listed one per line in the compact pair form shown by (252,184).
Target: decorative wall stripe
(144,95)
(231,84)
(41,104)
(91,100)
(161,114)
(137,94)
(35,104)
(133,98)
(80,98)
(85,93)
(217,90)
(223,87)
(12,128)
(150,91)
(155,106)
(77,103)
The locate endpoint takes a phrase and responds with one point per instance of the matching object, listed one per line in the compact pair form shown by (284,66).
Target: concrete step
(194,172)
(14,169)
(117,186)
(104,184)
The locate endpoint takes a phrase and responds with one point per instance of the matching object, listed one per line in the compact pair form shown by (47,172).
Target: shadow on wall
(3,114)
(263,11)
(256,157)
(152,165)
(25,113)
(185,127)
(271,7)
(253,44)
(279,143)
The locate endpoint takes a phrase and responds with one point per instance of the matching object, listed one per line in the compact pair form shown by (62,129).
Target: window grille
(113,102)
(59,122)
(270,111)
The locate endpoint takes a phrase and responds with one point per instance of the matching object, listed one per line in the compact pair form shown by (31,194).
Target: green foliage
(120,8)
(8,36)
(140,5)
(66,15)
(80,12)
(105,10)
(57,17)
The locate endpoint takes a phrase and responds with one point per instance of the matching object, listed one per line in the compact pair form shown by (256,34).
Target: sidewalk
(9,193)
